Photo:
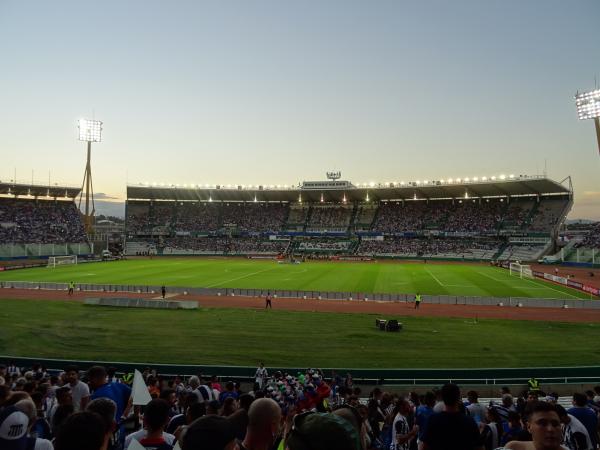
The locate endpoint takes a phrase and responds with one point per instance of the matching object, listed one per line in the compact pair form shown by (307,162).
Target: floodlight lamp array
(90,130)
(365,185)
(588,105)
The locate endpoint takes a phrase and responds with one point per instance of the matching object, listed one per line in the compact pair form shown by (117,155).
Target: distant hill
(116,209)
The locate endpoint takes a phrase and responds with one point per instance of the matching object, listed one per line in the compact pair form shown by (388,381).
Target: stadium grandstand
(496,218)
(40,221)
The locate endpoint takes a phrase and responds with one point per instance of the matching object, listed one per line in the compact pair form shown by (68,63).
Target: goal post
(521,270)
(54,261)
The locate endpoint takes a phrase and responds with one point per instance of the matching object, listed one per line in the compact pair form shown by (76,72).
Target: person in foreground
(451,429)
(545,427)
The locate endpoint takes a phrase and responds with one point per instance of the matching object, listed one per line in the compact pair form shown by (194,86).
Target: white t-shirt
(141,434)
(477,411)
(78,392)
(43,444)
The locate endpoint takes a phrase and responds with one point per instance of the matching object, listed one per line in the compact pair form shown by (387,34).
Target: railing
(436,377)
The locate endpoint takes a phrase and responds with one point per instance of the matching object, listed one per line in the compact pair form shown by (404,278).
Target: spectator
(263,425)
(156,418)
(83,431)
(107,410)
(450,429)
(586,416)
(119,393)
(402,434)
(475,409)
(80,392)
(575,435)
(28,408)
(321,431)
(545,428)
(210,433)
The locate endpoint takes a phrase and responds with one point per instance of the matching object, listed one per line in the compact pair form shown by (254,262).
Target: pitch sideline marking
(533,282)
(239,278)
(518,287)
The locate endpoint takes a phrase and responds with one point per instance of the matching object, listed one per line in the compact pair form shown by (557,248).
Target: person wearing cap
(210,433)
(28,408)
(321,431)
(13,430)
(264,417)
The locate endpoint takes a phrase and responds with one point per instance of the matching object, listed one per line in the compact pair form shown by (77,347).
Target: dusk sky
(276,92)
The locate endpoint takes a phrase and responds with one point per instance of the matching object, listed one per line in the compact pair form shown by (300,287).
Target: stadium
(449,302)
(471,248)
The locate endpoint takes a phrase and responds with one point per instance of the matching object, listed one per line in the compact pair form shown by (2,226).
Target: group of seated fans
(592,239)
(224,245)
(184,224)
(40,222)
(300,411)
(193,217)
(424,247)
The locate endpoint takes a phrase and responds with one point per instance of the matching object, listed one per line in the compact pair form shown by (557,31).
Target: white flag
(141,396)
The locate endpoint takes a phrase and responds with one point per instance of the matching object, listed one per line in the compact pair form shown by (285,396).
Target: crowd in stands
(323,245)
(40,222)
(330,217)
(194,217)
(548,213)
(224,245)
(95,410)
(592,239)
(422,247)
(462,216)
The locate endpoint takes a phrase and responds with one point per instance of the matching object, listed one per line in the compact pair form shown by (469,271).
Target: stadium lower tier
(442,248)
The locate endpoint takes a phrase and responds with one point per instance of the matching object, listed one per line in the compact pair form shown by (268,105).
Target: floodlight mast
(89,131)
(588,107)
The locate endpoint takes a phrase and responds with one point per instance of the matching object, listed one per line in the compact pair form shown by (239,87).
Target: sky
(277,92)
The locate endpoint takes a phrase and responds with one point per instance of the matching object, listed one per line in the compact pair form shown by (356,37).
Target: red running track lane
(369,307)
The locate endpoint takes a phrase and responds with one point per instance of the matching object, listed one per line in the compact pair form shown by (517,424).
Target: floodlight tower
(89,131)
(588,107)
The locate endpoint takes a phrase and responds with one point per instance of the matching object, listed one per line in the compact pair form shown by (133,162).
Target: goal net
(54,261)
(521,270)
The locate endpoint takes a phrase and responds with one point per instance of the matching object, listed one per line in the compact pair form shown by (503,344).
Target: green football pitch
(230,336)
(366,277)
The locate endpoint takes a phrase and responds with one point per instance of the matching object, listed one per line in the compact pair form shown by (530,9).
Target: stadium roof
(515,186)
(32,190)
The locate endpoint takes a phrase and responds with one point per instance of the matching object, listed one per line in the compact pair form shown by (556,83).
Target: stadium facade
(505,217)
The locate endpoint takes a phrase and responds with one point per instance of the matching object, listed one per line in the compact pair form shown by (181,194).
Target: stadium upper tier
(523,204)
(340,191)
(35,190)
